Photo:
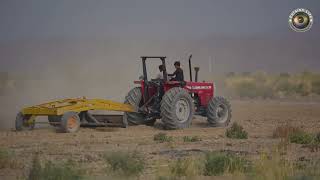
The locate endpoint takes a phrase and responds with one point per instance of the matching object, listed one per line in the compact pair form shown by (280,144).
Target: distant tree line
(261,84)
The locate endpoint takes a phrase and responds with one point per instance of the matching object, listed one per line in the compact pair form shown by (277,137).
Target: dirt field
(259,119)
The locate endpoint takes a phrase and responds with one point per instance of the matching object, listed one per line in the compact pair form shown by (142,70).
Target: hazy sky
(161,18)
(156,24)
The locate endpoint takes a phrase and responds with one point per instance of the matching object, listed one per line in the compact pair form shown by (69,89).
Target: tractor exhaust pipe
(196,69)
(190,69)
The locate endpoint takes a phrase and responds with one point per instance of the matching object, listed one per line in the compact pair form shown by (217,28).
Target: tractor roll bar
(145,75)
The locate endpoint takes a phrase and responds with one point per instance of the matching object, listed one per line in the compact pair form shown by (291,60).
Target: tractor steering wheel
(156,82)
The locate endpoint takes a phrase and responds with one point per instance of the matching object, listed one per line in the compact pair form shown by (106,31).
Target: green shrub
(268,166)
(162,137)
(125,163)
(316,86)
(36,169)
(303,89)
(4,158)
(220,163)
(53,171)
(285,131)
(246,89)
(7,159)
(163,178)
(236,132)
(314,146)
(191,139)
(275,166)
(301,137)
(282,84)
(184,168)
(317,138)
(265,91)
(272,166)
(251,89)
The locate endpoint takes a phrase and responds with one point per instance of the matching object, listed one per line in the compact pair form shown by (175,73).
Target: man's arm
(174,74)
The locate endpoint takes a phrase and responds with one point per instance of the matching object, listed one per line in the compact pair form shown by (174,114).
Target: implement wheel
(24,122)
(70,122)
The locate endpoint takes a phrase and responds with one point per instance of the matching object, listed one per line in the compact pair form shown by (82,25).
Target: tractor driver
(178,74)
(160,74)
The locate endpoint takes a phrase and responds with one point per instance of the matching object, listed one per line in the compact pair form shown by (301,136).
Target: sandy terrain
(86,147)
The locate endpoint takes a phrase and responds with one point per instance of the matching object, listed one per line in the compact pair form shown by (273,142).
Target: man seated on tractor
(178,74)
(160,74)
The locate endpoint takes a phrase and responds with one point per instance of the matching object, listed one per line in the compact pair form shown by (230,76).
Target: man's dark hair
(161,67)
(177,63)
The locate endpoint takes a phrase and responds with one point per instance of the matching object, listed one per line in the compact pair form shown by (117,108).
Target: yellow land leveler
(70,114)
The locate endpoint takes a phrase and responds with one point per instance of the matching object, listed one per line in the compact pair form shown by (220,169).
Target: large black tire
(219,112)
(70,122)
(22,122)
(134,98)
(177,109)
(54,120)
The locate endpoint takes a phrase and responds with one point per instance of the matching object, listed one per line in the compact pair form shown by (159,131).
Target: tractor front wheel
(177,109)
(219,112)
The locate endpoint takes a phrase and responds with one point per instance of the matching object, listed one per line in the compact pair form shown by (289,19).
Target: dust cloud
(46,70)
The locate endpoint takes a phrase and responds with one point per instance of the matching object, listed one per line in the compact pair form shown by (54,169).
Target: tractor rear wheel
(219,112)
(70,122)
(177,109)
(134,98)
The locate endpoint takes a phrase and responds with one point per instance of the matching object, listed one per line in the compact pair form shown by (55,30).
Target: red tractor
(175,102)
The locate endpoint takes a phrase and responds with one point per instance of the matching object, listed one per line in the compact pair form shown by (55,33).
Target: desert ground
(87,147)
